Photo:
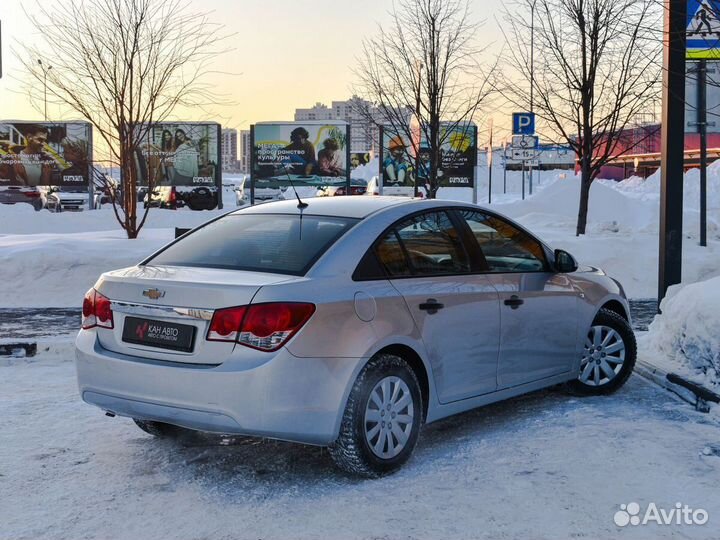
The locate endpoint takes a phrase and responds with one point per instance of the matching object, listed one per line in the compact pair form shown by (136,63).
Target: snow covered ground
(547,465)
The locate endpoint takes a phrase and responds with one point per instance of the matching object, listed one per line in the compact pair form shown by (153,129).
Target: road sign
(524,123)
(524,141)
(703,30)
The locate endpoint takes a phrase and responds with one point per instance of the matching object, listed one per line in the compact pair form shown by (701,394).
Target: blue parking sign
(523,123)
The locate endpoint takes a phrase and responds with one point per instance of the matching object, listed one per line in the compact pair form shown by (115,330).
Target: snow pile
(685,338)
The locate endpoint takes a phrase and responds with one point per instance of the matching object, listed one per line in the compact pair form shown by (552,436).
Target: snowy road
(543,466)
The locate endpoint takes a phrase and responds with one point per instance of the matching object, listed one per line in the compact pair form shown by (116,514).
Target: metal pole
(522,166)
(672,146)
(45,86)
(531,175)
(532,57)
(490,163)
(702,124)
(504,168)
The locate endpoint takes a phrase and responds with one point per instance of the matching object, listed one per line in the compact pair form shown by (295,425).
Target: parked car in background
(373,188)
(173,197)
(357,187)
(63,199)
(347,323)
(21,194)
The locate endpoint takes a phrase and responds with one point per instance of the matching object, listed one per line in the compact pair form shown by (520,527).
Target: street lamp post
(532,74)
(45,73)
(418,66)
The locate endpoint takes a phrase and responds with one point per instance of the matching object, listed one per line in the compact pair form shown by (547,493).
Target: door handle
(514,301)
(431,306)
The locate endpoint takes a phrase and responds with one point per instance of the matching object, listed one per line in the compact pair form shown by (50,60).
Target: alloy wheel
(603,356)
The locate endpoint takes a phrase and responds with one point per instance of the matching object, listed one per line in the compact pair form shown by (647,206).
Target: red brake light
(97,311)
(32,194)
(266,327)
(173,196)
(225,324)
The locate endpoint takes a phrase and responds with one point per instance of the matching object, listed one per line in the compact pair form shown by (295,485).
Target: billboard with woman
(180,154)
(45,154)
(306,153)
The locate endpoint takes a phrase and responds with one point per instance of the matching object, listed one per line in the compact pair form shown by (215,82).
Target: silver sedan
(347,322)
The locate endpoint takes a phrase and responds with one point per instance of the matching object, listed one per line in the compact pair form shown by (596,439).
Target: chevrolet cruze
(347,322)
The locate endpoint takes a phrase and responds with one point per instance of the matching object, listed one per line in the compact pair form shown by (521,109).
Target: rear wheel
(608,356)
(160,429)
(382,419)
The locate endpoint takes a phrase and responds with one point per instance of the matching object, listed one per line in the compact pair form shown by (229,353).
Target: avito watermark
(680,514)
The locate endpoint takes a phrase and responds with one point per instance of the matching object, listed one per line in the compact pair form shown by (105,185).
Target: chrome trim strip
(168,312)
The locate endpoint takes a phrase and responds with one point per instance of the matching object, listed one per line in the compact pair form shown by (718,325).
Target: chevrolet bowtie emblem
(153,294)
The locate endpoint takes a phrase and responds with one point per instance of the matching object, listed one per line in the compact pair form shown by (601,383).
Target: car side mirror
(564,262)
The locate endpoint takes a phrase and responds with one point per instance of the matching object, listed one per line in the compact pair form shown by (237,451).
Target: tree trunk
(585,181)
(129,183)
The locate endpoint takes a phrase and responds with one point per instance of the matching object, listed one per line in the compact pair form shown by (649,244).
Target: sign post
(524,142)
(672,145)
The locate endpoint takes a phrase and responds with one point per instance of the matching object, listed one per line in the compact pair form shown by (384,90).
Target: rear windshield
(276,243)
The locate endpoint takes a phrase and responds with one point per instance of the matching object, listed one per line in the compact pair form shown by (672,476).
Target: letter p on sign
(523,123)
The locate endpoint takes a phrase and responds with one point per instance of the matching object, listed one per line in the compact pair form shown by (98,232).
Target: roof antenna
(301,205)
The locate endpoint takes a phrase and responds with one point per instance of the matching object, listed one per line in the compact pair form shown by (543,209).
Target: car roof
(357,207)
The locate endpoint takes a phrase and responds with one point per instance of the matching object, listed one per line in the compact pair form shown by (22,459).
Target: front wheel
(382,419)
(608,356)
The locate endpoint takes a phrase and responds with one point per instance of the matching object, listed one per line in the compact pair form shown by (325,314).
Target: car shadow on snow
(251,469)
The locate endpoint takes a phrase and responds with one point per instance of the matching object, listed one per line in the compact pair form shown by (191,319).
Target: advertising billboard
(180,154)
(300,153)
(45,154)
(397,160)
(359,158)
(458,154)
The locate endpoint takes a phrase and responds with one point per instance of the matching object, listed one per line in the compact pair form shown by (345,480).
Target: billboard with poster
(397,160)
(45,154)
(359,158)
(180,154)
(458,155)
(304,153)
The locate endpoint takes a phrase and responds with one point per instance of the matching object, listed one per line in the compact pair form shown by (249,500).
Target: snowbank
(685,338)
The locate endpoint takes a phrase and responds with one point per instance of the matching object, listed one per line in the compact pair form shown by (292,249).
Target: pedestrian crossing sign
(703,30)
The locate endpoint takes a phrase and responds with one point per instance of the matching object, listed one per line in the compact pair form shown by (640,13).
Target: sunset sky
(287,54)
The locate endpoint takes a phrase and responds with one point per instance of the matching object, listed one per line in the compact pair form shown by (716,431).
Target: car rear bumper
(279,396)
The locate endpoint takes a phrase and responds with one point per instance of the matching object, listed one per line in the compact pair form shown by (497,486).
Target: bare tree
(425,62)
(123,65)
(595,71)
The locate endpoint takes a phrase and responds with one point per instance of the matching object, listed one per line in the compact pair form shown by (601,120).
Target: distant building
(362,116)
(245,151)
(229,150)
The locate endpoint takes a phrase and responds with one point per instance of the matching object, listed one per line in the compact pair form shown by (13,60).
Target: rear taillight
(265,327)
(225,324)
(96,311)
(32,194)
(173,196)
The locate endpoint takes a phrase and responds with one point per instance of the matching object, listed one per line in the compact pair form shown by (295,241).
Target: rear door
(455,310)
(538,307)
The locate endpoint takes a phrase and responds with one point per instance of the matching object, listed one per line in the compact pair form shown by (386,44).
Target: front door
(538,307)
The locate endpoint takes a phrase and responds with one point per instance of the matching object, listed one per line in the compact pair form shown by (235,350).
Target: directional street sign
(524,123)
(703,30)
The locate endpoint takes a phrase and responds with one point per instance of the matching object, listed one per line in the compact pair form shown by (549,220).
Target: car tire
(358,449)
(609,346)
(160,429)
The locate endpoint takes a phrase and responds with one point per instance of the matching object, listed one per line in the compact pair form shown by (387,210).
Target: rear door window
(275,243)
(424,245)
